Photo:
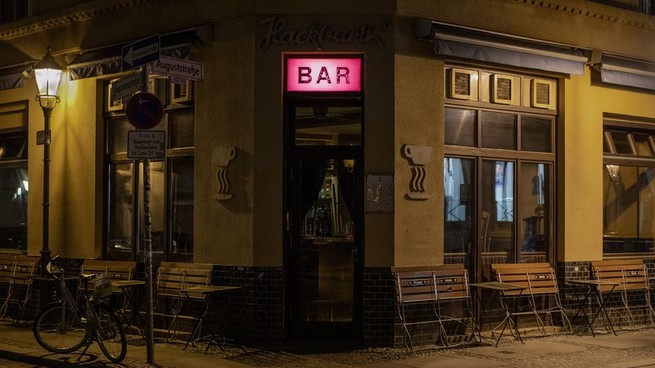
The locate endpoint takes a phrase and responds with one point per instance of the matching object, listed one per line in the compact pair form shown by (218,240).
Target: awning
(627,72)
(12,77)
(502,49)
(107,60)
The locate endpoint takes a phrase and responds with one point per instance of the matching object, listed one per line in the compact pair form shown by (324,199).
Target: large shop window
(628,188)
(14,183)
(171,183)
(498,169)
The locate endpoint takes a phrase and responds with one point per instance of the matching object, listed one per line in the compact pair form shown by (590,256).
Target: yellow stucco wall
(418,115)
(75,226)
(580,161)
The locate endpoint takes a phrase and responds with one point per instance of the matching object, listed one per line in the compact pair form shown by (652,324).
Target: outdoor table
(501,289)
(127,290)
(205,295)
(592,287)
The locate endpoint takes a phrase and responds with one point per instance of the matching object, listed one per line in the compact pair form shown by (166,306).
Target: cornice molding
(617,17)
(32,24)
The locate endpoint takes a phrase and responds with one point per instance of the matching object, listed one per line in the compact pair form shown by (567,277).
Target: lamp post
(47,74)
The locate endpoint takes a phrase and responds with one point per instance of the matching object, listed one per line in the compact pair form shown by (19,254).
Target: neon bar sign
(324,75)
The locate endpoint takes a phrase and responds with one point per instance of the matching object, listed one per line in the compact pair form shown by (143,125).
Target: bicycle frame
(68,324)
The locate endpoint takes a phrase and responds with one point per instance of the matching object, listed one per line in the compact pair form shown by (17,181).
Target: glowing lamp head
(48,75)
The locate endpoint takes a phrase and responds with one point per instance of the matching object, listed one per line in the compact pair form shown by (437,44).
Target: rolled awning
(107,60)
(491,47)
(12,77)
(627,72)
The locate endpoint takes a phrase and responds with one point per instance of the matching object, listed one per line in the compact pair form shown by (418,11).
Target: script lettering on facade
(317,34)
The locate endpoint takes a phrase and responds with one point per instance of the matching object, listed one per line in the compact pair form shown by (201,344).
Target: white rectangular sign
(177,68)
(143,144)
(126,86)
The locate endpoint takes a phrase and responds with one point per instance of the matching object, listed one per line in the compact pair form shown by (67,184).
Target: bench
(17,274)
(539,282)
(629,276)
(172,278)
(433,287)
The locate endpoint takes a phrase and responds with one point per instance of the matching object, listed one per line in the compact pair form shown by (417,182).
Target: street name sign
(177,68)
(146,144)
(127,86)
(140,52)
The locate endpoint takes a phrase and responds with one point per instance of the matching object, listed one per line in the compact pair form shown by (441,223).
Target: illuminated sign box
(324,75)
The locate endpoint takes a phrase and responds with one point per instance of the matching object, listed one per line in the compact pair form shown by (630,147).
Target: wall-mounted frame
(542,94)
(379,193)
(181,93)
(504,89)
(112,105)
(462,84)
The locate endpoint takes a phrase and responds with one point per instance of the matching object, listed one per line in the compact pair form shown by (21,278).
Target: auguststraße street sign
(140,52)
(177,68)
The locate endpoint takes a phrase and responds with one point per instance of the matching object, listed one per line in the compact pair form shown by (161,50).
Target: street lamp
(47,74)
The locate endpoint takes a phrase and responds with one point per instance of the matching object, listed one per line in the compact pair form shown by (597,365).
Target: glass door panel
(497,202)
(534,206)
(325,258)
(459,232)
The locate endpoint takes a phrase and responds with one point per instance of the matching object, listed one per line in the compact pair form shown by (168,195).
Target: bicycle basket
(102,287)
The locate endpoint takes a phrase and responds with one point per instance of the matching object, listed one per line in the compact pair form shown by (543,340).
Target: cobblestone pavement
(629,349)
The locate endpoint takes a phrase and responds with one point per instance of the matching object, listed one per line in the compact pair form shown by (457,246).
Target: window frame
(162,88)
(630,126)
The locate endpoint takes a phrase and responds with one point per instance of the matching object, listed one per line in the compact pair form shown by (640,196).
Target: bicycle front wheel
(110,335)
(59,329)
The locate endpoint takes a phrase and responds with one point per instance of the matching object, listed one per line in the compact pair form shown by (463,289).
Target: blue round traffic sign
(144,110)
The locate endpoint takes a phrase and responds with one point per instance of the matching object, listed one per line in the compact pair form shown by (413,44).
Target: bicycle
(66,325)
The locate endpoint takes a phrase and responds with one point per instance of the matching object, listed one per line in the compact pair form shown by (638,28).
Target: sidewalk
(629,349)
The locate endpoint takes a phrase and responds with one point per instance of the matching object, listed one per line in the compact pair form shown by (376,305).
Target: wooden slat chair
(540,282)
(434,287)
(115,270)
(7,265)
(415,285)
(452,283)
(630,277)
(20,290)
(172,277)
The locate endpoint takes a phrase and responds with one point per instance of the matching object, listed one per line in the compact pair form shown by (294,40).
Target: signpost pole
(144,111)
(148,261)
(150,339)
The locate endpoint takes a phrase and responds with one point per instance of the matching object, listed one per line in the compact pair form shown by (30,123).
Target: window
(171,181)
(628,188)
(11,10)
(14,184)
(642,6)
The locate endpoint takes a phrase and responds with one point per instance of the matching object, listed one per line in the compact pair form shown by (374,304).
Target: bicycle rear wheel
(59,329)
(110,335)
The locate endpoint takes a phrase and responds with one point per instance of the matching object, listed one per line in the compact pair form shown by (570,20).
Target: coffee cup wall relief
(221,157)
(417,156)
